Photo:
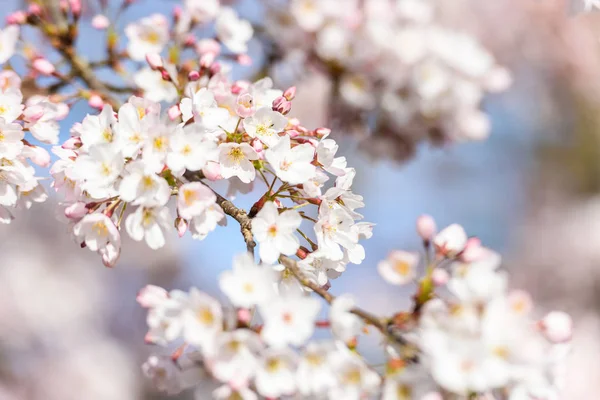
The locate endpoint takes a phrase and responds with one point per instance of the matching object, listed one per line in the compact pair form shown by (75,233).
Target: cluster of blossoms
(394,61)
(467,336)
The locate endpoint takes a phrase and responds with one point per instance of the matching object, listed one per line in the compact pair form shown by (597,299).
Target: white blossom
(275,232)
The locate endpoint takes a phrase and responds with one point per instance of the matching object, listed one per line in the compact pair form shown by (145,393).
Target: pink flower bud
(215,68)
(151,296)
(189,40)
(257,146)
(16,18)
(177,10)
(76,210)
(37,155)
(293,133)
(193,76)
(75,8)
(473,250)
(426,227)
(324,132)
(290,93)
(244,315)
(212,171)
(110,255)
(181,225)
(64,6)
(206,60)
(245,105)
(165,75)
(244,59)
(205,46)
(43,66)
(174,112)
(72,143)
(154,60)
(34,9)
(281,105)
(440,277)
(100,22)
(96,102)
(557,327)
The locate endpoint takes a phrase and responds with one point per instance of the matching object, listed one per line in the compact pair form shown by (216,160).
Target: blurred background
(71,329)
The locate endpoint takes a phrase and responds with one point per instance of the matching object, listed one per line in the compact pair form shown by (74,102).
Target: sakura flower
(355,379)
(450,241)
(202,319)
(289,320)
(292,165)
(326,150)
(232,31)
(154,86)
(275,375)
(193,199)
(141,186)
(41,120)
(156,148)
(247,284)
(265,125)
(204,223)
(202,10)
(321,267)
(334,232)
(11,104)
(8,42)
(203,107)
(399,268)
(98,129)
(132,129)
(309,13)
(189,151)
(275,232)
(164,374)
(149,35)
(236,160)
(226,392)
(314,375)
(97,170)
(235,356)
(11,136)
(97,231)
(344,325)
(149,223)
(263,94)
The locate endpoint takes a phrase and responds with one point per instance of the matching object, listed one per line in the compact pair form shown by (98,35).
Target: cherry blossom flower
(148,224)
(232,31)
(235,160)
(149,35)
(248,284)
(265,125)
(275,232)
(275,376)
(399,268)
(292,165)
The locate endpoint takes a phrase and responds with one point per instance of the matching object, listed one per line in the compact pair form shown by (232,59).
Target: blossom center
(189,197)
(287,318)
(236,155)
(100,229)
(272,231)
(402,267)
(205,316)
(148,182)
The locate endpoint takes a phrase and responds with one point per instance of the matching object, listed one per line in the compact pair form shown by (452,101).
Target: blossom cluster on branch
(145,163)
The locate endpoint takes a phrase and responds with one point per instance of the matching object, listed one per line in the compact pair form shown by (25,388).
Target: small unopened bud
(174,112)
(72,143)
(43,66)
(244,59)
(473,250)
(323,132)
(76,210)
(440,277)
(34,9)
(193,76)
(96,102)
(557,327)
(212,171)
(215,68)
(257,146)
(152,296)
(244,316)
(281,105)
(16,18)
(75,8)
(189,40)
(290,93)
(154,60)
(292,133)
(426,227)
(450,241)
(165,75)
(181,225)
(206,60)
(110,255)
(100,22)
(177,11)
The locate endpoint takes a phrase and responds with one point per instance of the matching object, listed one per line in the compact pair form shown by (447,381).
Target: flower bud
(426,227)
(473,250)
(110,255)
(165,75)
(34,9)
(100,22)
(16,18)
(281,105)
(290,93)
(212,171)
(323,132)
(257,145)
(181,225)
(205,46)
(244,59)
(76,210)
(155,61)
(557,327)
(96,102)
(206,60)
(215,68)
(43,66)
(193,76)
(244,315)
(450,241)
(72,143)
(174,112)
(75,8)
(189,40)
